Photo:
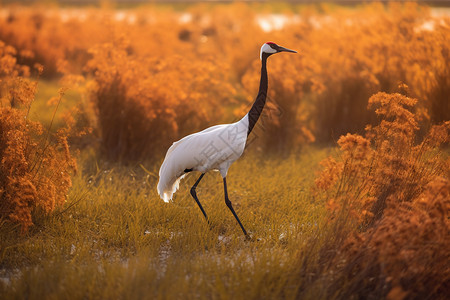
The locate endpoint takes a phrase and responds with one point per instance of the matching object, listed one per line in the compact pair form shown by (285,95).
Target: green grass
(42,110)
(116,239)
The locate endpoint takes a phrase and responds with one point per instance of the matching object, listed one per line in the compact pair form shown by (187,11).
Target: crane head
(272,48)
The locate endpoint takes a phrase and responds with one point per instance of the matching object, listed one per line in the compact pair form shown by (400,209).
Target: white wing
(214,148)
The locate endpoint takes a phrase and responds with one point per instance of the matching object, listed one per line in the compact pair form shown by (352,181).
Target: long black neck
(258,105)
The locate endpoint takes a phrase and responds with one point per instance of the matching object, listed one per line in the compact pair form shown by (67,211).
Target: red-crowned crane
(216,147)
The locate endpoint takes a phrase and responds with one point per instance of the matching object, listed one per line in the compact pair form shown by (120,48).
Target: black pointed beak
(282,49)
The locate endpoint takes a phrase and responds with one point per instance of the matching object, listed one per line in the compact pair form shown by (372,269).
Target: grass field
(115,238)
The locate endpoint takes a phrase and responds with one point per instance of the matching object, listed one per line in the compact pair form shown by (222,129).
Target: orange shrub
(35,166)
(385,168)
(387,196)
(405,255)
(144,104)
(47,36)
(354,54)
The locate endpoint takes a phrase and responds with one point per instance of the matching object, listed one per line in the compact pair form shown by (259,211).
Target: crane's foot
(251,238)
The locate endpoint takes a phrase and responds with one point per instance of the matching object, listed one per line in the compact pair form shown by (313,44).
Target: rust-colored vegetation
(388,203)
(36,166)
(375,80)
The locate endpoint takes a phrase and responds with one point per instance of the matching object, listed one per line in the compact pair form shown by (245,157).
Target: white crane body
(214,148)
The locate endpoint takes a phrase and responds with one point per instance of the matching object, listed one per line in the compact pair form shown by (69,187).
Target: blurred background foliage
(154,73)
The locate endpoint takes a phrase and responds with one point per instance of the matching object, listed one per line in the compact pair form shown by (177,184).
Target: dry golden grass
(116,238)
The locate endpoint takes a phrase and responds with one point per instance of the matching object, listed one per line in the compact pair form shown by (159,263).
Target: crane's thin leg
(194,194)
(228,203)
